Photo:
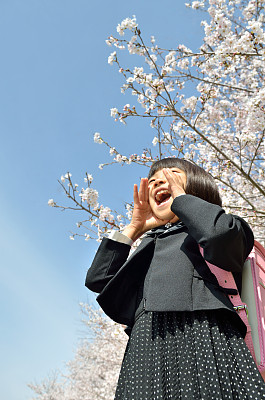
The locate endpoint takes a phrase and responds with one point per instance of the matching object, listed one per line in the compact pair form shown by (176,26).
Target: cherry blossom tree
(93,372)
(221,126)
(50,388)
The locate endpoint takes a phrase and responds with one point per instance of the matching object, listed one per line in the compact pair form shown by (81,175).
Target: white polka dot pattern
(188,356)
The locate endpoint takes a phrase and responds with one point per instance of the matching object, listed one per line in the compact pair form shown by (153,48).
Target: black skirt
(188,355)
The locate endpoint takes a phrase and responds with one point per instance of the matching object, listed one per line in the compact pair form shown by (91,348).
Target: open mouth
(162,197)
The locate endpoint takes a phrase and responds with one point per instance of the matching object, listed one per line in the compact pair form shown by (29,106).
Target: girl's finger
(135,194)
(171,177)
(146,189)
(167,174)
(143,191)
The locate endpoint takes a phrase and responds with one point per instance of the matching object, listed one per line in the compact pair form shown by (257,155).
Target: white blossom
(155,141)
(118,158)
(127,23)
(129,211)
(89,177)
(190,102)
(51,203)
(112,57)
(113,112)
(97,138)
(183,63)
(90,196)
(105,214)
(197,4)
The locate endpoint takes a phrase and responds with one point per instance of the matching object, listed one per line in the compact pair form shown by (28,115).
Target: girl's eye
(152,180)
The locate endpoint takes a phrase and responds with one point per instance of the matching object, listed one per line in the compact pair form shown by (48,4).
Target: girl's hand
(143,218)
(176,183)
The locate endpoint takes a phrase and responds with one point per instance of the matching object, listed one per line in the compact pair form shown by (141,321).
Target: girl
(186,340)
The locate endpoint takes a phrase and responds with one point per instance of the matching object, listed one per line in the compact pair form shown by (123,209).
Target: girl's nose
(159,181)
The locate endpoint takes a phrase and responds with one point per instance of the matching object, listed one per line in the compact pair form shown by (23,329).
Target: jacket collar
(165,228)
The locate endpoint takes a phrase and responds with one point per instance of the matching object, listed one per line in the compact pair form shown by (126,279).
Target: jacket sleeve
(110,257)
(226,239)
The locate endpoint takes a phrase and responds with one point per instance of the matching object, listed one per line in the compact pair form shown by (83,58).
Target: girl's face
(160,199)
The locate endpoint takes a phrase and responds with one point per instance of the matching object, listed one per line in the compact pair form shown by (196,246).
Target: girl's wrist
(132,232)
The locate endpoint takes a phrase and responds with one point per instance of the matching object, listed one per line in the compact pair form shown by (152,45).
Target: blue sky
(56,90)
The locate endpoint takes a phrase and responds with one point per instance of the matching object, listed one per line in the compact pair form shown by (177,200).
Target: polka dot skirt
(188,355)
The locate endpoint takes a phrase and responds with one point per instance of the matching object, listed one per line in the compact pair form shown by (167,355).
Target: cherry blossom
(97,138)
(51,203)
(90,195)
(112,57)
(127,23)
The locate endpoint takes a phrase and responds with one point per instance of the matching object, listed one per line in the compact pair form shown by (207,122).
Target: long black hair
(199,182)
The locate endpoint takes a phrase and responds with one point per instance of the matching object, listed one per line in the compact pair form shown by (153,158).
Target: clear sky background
(56,90)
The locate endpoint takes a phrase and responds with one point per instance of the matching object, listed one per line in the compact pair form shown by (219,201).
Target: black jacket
(179,278)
